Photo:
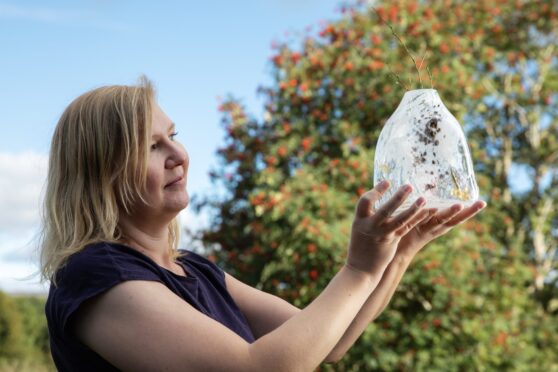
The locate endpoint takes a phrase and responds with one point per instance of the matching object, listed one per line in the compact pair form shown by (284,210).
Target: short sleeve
(90,272)
(99,267)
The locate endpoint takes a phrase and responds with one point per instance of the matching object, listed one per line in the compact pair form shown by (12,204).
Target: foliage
(483,297)
(24,341)
(11,335)
(34,326)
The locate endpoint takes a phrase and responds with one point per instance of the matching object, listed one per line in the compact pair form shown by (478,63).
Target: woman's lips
(177,182)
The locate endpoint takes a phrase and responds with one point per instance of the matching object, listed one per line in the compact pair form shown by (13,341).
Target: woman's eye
(156,145)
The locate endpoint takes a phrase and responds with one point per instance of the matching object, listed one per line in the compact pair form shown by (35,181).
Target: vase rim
(421,89)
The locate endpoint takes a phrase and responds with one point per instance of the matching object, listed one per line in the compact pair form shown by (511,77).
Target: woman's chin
(181,203)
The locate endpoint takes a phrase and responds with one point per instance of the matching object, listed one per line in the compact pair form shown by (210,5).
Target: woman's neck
(150,240)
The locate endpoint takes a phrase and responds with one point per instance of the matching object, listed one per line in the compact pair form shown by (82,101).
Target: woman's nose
(177,157)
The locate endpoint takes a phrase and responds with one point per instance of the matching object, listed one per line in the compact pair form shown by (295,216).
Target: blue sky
(193,51)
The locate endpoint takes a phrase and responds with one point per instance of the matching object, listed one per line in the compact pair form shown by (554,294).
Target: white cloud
(22,177)
(20,277)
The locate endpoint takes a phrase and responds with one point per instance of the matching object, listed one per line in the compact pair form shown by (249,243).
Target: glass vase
(423,144)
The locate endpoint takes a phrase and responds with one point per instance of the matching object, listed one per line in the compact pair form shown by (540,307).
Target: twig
(430,75)
(398,81)
(420,67)
(398,38)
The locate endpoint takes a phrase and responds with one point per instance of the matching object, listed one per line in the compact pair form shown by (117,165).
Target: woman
(123,297)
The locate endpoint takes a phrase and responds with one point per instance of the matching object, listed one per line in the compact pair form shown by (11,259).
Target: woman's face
(166,170)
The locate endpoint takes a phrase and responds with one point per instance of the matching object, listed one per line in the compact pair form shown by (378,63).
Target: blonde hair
(97,166)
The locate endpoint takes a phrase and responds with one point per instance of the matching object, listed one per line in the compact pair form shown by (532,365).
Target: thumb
(364,207)
(366,201)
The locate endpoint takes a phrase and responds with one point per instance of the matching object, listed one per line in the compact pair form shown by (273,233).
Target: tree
(485,296)
(11,338)
(34,328)
(24,343)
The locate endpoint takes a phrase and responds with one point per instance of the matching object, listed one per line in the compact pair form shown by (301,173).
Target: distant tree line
(24,344)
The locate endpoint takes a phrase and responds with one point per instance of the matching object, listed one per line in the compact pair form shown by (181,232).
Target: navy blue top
(99,267)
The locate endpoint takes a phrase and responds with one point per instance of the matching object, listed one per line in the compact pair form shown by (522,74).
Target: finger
(438,224)
(367,200)
(445,215)
(395,201)
(419,218)
(442,228)
(431,213)
(467,213)
(405,217)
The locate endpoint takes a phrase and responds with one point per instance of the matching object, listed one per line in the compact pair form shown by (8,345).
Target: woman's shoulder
(94,269)
(106,260)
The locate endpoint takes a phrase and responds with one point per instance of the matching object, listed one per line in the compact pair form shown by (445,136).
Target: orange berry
(313,274)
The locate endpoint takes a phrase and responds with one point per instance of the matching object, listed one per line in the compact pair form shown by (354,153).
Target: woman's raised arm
(143,325)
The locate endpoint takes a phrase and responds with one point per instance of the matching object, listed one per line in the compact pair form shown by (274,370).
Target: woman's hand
(376,234)
(437,224)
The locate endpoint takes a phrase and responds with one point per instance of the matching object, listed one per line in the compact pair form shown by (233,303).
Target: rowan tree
(484,296)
